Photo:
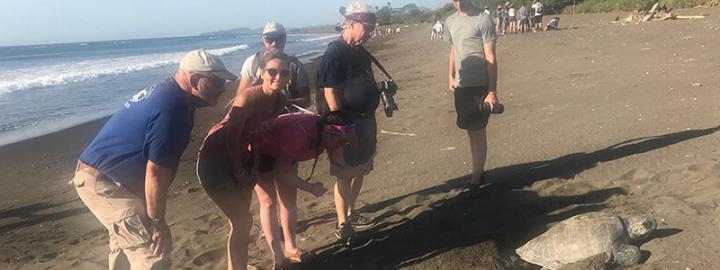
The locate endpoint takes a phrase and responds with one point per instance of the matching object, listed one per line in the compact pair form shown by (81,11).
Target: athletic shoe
(359,221)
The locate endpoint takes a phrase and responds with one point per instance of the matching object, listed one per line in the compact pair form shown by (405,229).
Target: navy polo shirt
(155,125)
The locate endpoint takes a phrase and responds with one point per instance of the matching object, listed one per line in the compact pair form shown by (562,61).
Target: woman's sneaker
(344,231)
(359,221)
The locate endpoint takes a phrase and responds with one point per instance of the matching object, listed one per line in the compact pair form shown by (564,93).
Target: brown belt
(90,170)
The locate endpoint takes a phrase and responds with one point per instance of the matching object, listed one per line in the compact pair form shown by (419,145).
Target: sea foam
(72,72)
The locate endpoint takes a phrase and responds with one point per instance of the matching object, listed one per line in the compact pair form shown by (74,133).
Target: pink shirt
(258,121)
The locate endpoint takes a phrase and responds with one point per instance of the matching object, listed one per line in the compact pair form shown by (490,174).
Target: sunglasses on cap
(274,72)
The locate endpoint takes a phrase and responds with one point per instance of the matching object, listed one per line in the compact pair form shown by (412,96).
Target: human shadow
(568,166)
(456,222)
(30,214)
(500,221)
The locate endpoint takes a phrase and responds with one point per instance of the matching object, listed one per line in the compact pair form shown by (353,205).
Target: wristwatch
(157,221)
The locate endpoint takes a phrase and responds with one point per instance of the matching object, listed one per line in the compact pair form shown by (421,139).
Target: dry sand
(599,117)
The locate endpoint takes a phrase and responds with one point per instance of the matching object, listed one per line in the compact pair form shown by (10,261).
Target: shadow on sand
(484,231)
(31,214)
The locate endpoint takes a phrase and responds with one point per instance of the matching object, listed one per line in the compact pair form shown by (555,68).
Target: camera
(387,89)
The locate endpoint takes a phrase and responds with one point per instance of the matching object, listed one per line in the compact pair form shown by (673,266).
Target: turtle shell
(575,239)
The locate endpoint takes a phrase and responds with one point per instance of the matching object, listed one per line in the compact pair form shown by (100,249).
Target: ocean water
(45,88)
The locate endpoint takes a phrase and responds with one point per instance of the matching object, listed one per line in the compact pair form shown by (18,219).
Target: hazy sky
(57,21)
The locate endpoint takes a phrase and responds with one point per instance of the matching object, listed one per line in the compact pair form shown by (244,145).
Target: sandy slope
(599,116)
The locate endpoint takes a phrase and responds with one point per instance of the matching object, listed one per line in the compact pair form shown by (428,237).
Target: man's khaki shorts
(123,214)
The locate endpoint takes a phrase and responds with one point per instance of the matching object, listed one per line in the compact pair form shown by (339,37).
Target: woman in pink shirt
(226,166)
(292,138)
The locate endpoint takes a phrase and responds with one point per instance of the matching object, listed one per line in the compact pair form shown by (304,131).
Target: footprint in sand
(208,257)
(703,167)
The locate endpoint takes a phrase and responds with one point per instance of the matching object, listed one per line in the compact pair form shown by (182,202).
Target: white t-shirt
(438,27)
(538,8)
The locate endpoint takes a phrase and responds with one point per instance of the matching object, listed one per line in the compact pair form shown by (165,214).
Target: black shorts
(366,132)
(536,19)
(468,111)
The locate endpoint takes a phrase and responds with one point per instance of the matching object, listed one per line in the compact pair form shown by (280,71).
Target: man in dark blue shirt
(124,174)
(346,84)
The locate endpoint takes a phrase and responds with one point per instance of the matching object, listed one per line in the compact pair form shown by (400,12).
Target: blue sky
(57,21)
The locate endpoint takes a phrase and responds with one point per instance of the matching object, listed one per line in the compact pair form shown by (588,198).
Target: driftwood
(657,13)
(689,17)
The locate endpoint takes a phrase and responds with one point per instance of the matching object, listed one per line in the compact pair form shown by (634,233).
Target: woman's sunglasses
(273,72)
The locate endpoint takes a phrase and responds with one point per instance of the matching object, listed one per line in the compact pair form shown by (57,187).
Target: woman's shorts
(468,111)
(216,173)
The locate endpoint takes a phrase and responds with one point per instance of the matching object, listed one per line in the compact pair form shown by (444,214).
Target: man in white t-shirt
(537,15)
(437,31)
(298,88)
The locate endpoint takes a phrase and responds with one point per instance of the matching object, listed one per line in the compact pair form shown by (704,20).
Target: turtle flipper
(626,255)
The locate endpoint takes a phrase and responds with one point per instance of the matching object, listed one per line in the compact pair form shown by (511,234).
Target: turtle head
(640,227)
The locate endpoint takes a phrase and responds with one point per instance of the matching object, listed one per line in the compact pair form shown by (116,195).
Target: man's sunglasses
(274,72)
(216,82)
(271,39)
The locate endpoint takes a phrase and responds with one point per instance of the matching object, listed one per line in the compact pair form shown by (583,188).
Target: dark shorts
(536,19)
(469,115)
(216,173)
(366,132)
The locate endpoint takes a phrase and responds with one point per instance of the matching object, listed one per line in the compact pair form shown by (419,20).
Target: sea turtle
(587,237)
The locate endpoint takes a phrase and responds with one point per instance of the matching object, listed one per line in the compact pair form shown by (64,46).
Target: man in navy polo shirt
(124,175)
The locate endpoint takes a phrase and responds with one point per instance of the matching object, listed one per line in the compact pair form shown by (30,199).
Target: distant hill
(234,31)
(248,31)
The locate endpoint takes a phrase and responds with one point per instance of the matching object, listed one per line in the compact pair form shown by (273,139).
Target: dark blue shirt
(155,125)
(348,69)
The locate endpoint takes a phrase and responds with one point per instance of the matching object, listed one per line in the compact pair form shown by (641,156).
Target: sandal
(299,256)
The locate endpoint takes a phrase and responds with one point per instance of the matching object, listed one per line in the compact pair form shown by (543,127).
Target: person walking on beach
(437,31)
(298,86)
(123,176)
(473,79)
(346,83)
(229,161)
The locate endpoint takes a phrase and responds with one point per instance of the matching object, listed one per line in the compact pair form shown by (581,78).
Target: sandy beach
(599,116)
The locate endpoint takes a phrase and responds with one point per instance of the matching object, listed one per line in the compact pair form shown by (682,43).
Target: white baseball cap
(200,61)
(274,28)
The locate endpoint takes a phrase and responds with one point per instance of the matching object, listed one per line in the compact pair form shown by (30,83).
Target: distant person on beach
(552,24)
(229,161)
(346,83)
(524,24)
(473,79)
(537,16)
(437,31)
(298,86)
(123,176)
(512,19)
